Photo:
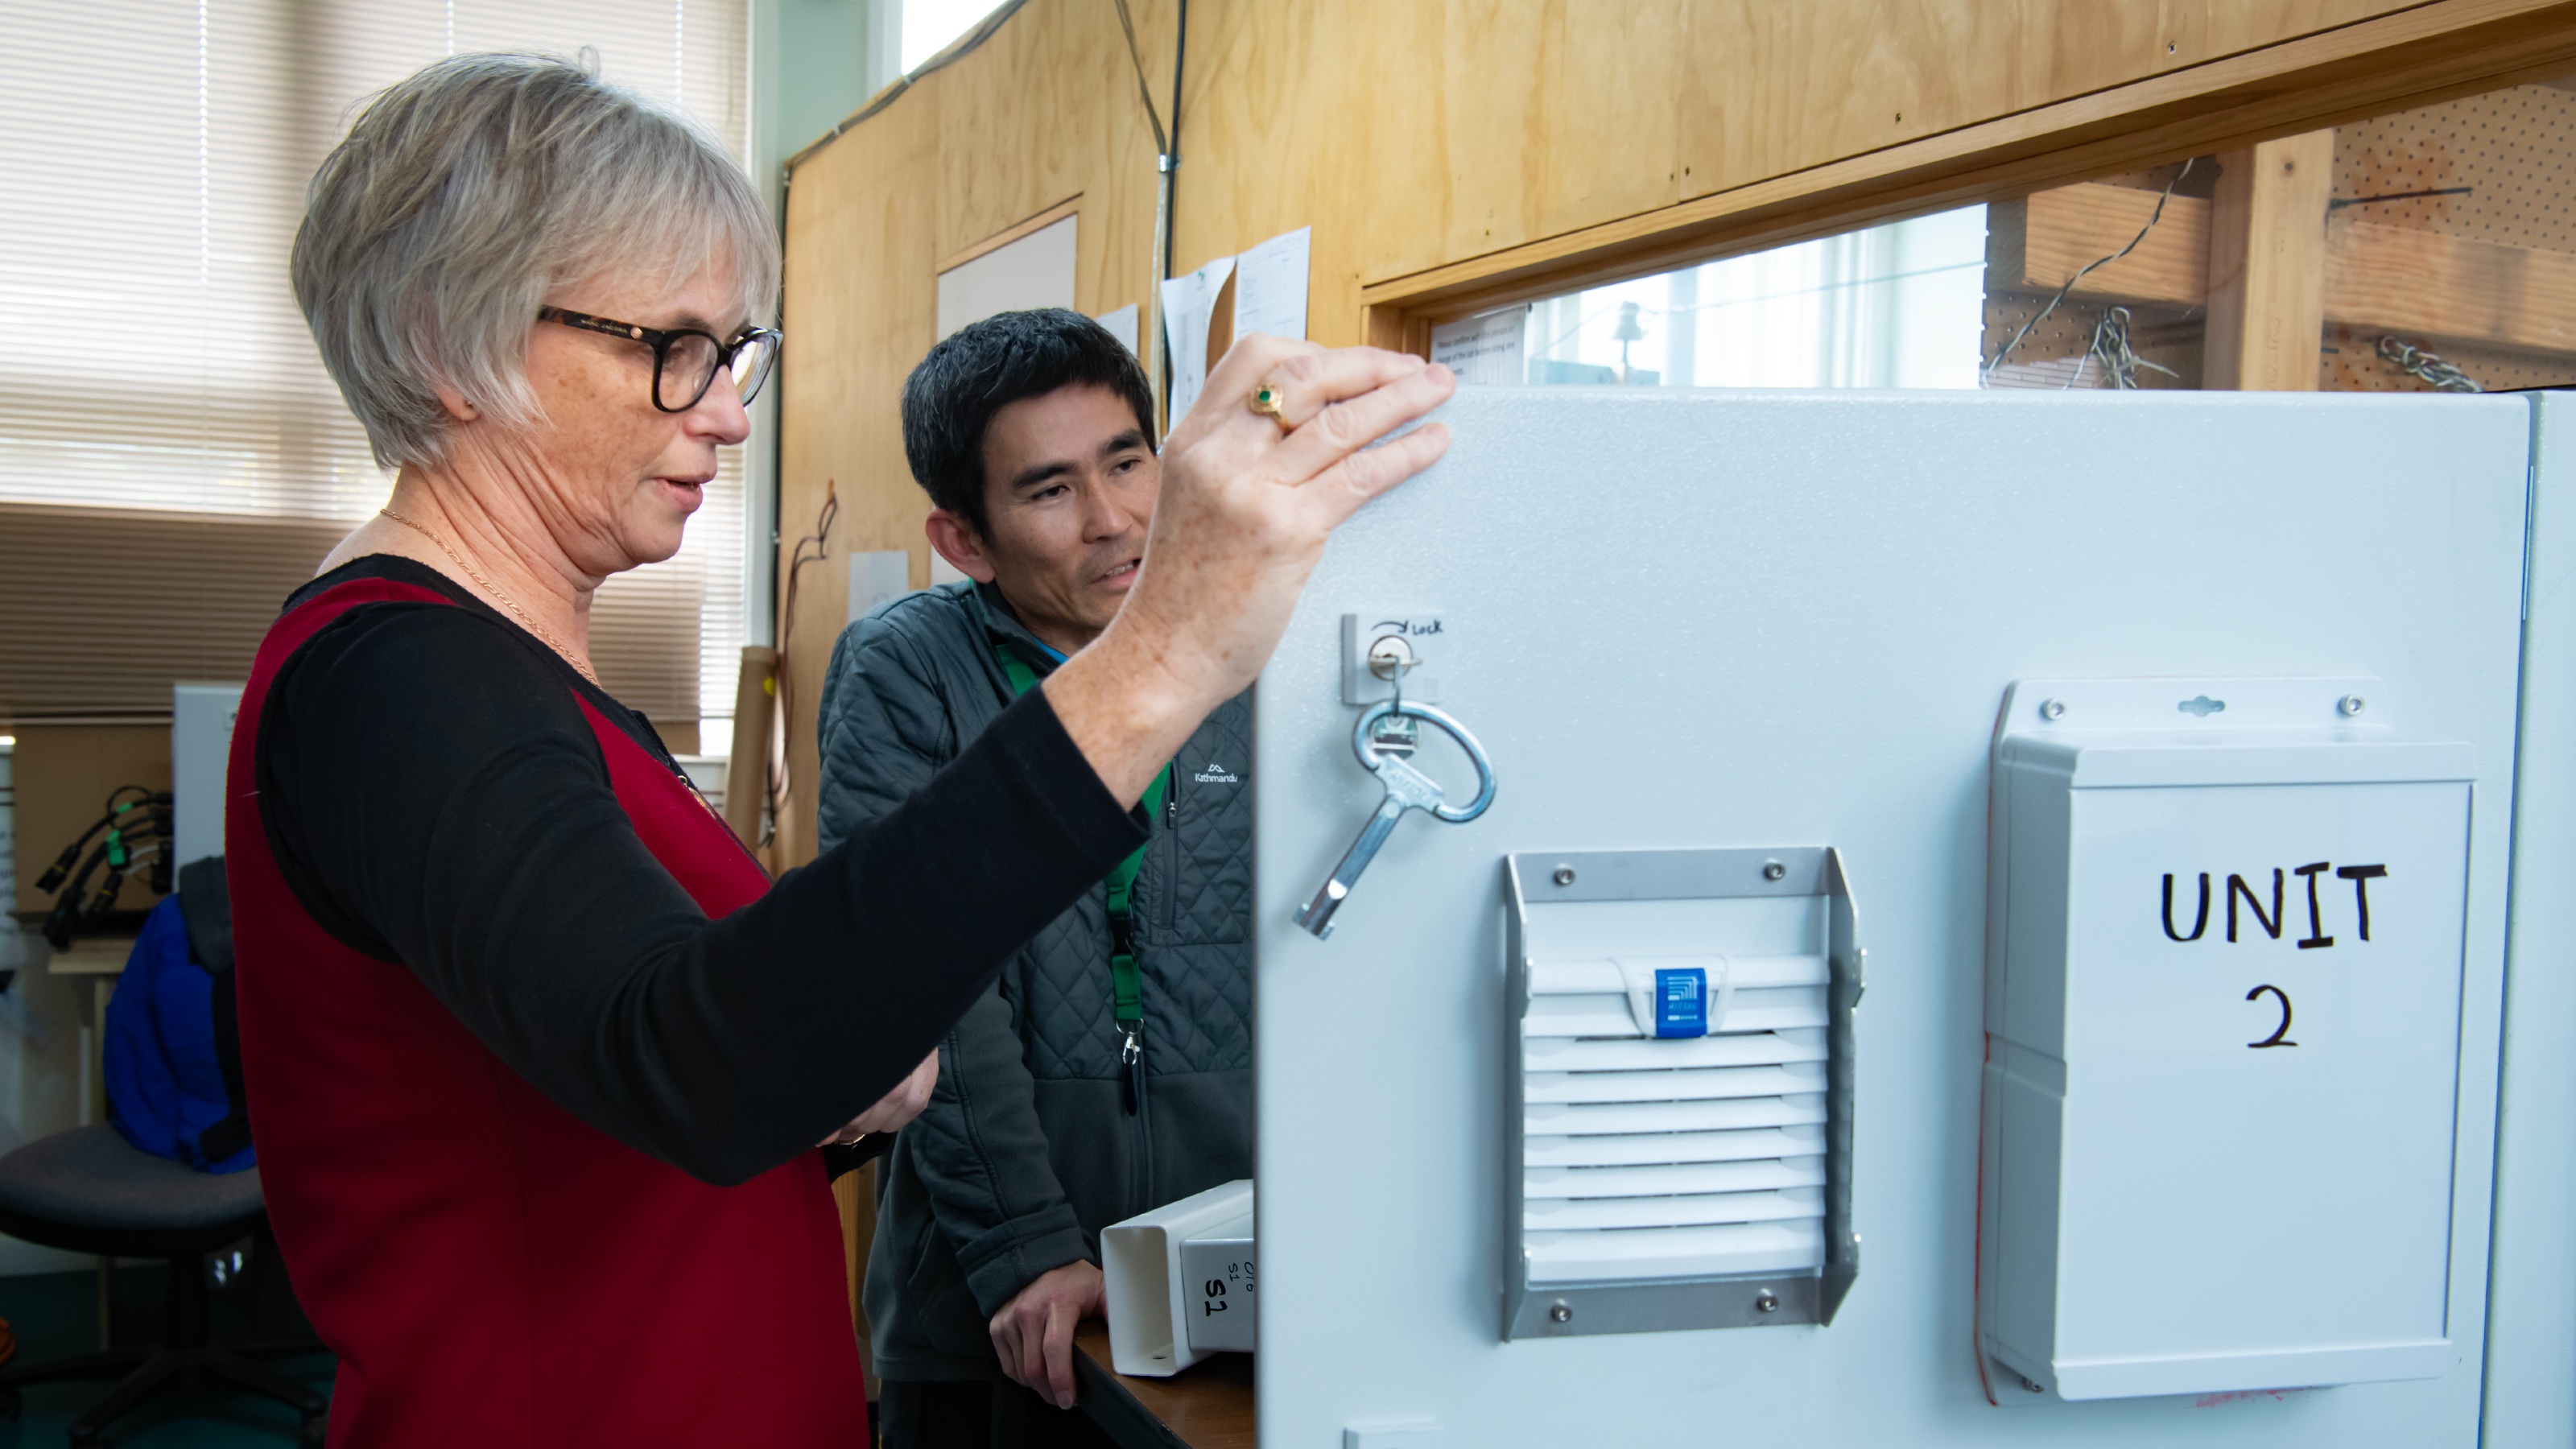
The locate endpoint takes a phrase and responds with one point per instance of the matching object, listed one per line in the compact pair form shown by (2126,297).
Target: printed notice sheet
(1188,303)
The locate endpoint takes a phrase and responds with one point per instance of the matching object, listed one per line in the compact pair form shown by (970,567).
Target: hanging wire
(2110,347)
(798,557)
(1136,58)
(2340,202)
(1166,158)
(2424,363)
(2158,215)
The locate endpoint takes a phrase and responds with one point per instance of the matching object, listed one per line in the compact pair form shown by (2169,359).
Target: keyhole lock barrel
(1390,656)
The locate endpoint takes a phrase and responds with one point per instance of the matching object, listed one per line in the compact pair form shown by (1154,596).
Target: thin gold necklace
(489,587)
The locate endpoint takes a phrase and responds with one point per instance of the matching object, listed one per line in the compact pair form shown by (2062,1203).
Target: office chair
(90,1191)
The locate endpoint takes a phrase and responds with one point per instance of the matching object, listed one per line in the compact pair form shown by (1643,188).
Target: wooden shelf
(104,956)
(1208,1406)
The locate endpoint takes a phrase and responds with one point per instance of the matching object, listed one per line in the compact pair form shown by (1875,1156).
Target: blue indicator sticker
(1681,1002)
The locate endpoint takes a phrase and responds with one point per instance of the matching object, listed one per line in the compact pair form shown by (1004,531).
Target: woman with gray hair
(538,1056)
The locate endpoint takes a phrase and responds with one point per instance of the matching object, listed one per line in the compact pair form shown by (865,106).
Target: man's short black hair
(984,367)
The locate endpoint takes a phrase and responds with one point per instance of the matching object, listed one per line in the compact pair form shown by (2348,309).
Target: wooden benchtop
(1207,1406)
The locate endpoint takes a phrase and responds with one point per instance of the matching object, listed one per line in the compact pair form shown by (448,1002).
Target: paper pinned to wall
(1188,306)
(1269,295)
(1485,349)
(1270,287)
(876,576)
(1121,324)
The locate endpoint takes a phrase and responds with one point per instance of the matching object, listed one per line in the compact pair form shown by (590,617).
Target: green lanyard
(1127,994)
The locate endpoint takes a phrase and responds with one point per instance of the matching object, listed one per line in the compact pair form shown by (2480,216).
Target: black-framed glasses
(686,360)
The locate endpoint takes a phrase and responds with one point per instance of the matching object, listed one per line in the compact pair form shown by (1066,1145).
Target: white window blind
(173,459)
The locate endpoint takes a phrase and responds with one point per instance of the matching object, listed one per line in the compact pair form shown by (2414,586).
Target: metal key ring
(1454,814)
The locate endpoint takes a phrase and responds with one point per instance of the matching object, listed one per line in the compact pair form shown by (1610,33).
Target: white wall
(39,1043)
(813,63)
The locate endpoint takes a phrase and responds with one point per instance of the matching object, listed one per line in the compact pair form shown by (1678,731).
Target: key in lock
(1391,658)
(1406,789)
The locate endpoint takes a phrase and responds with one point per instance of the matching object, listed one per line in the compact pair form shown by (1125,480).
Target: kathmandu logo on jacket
(1216,774)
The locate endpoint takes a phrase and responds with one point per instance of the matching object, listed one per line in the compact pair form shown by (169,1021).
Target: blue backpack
(174,1081)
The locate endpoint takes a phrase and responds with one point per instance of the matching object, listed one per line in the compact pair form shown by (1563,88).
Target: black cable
(153,853)
(2340,202)
(1180,51)
(62,865)
(151,833)
(164,855)
(151,827)
(105,900)
(63,921)
(1136,59)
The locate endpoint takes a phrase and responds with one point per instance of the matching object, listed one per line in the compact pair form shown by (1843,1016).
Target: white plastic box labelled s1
(1180,1282)
(2222,1007)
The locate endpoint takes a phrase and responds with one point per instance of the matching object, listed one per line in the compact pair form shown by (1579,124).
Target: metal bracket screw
(1564,875)
(2052,709)
(1766,1301)
(1774,870)
(2349,705)
(1560,1313)
(2032,1385)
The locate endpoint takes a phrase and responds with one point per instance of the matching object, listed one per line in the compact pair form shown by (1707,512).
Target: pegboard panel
(2350,362)
(2514,151)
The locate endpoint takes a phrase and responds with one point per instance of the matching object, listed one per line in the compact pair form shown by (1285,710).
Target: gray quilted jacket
(1026,1151)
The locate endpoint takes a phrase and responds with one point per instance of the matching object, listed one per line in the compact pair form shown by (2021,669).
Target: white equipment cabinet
(201,739)
(1709,622)
(2222,1013)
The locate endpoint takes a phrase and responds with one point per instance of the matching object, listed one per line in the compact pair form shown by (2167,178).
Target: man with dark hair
(1109,1070)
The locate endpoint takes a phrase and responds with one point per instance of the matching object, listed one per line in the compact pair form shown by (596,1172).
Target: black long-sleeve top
(435,798)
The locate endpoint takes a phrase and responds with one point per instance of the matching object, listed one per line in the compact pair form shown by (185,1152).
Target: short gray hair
(464,194)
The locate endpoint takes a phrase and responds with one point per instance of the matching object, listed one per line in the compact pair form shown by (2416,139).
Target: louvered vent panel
(1674,1158)
(1679,1149)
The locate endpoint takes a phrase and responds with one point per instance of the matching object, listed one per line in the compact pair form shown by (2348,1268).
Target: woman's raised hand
(1246,505)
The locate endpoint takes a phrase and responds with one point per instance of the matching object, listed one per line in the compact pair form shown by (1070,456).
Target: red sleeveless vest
(490,1270)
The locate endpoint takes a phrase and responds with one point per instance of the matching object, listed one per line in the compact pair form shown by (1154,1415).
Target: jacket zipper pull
(1131,1052)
